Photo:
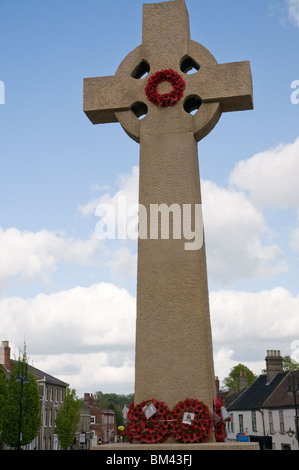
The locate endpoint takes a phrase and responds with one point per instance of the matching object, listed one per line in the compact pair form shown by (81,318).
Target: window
(253,420)
(50,418)
(231,422)
(92,420)
(271,426)
(56,394)
(281,422)
(241,424)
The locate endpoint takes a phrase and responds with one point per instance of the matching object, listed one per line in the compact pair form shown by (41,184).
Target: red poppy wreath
(156,428)
(192,421)
(167,99)
(220,427)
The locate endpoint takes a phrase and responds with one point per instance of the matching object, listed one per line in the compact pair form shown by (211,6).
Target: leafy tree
(231,381)
(3,394)
(113,401)
(68,417)
(289,364)
(21,410)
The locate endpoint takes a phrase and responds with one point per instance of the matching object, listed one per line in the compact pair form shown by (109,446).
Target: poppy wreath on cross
(191,421)
(147,427)
(167,99)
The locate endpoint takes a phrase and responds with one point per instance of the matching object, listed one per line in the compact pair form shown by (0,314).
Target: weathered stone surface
(174,357)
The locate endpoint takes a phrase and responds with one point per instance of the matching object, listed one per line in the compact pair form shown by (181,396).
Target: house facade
(264,411)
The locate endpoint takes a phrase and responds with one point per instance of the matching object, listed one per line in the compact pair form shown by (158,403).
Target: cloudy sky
(71,296)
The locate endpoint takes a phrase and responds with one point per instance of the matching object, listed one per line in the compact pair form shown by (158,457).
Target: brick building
(102,421)
(52,393)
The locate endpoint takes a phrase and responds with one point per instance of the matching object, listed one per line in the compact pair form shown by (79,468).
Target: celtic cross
(168,110)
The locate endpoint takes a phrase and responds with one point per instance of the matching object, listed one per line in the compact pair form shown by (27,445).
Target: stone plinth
(179,447)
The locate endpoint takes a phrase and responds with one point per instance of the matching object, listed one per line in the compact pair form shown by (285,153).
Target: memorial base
(175,447)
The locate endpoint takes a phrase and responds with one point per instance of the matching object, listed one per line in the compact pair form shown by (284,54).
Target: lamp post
(21,378)
(292,391)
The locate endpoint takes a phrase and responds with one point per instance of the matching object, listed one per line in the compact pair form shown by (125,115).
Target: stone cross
(174,356)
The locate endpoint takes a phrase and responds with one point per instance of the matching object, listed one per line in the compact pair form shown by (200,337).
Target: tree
(3,394)
(113,401)
(21,410)
(289,363)
(68,417)
(231,381)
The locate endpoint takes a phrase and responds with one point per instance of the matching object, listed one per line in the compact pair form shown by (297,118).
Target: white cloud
(271,180)
(239,243)
(127,187)
(123,264)
(243,317)
(270,177)
(26,256)
(235,236)
(86,335)
(293,10)
(246,324)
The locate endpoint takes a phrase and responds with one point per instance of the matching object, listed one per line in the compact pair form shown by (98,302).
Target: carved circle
(203,121)
(167,99)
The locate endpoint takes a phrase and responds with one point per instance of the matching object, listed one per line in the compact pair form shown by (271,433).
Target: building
(84,435)
(52,393)
(103,421)
(264,412)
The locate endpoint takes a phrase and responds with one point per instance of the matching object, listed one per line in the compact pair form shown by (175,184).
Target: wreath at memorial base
(167,99)
(156,428)
(191,421)
(220,426)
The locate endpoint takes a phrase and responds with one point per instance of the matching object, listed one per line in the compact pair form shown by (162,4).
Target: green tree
(113,401)
(289,364)
(231,381)
(68,417)
(21,410)
(3,394)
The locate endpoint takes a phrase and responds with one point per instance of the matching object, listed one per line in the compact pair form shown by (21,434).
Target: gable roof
(257,393)
(40,375)
(279,398)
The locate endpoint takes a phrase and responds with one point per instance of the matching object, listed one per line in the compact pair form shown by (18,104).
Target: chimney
(5,354)
(90,400)
(243,381)
(274,364)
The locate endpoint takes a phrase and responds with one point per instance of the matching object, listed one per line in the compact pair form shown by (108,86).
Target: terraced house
(51,391)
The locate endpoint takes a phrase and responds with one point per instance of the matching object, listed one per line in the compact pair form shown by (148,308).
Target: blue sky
(72,296)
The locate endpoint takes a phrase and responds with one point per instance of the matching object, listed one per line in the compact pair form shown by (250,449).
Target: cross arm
(229,84)
(105,96)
